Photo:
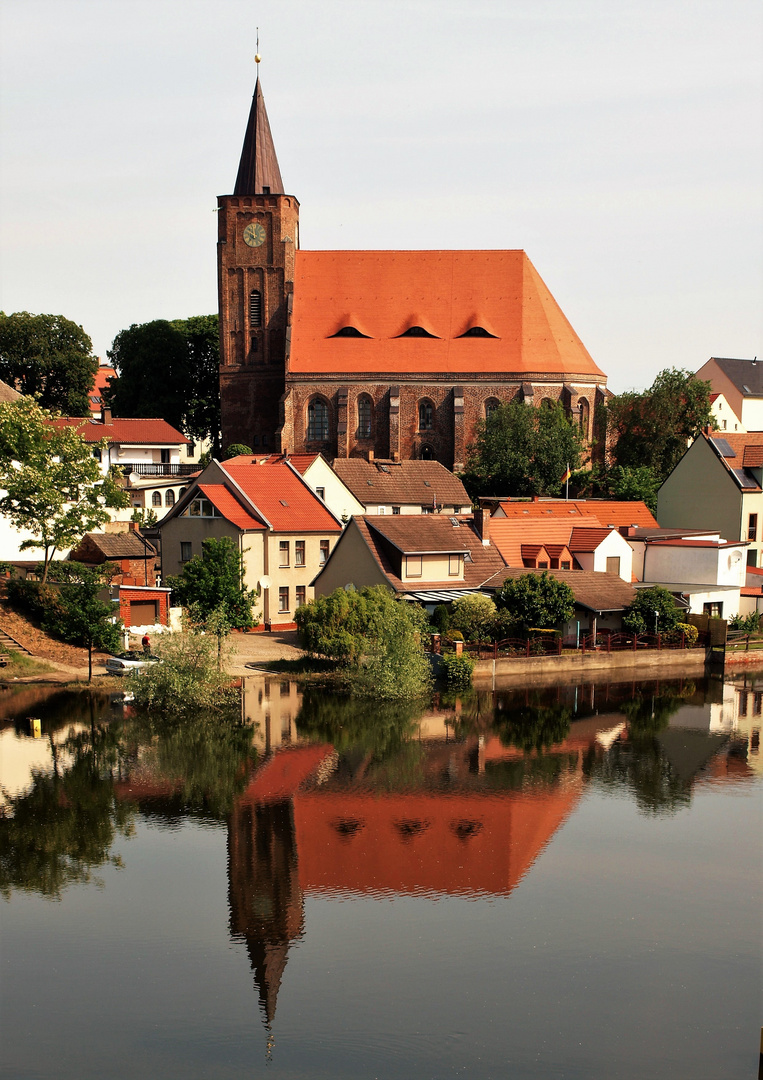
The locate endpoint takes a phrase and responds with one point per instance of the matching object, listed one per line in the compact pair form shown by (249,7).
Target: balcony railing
(145,468)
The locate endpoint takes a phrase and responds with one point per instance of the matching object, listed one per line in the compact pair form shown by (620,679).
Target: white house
(703,571)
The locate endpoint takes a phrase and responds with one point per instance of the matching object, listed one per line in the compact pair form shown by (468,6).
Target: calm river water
(557,883)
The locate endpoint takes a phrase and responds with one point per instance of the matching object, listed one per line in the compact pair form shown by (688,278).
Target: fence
(555,645)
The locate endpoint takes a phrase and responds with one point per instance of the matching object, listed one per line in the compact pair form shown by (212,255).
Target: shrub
(187,679)
(458,670)
(474,616)
(640,617)
(39,602)
(536,600)
(750,624)
(441,619)
(690,633)
(456,635)
(238,450)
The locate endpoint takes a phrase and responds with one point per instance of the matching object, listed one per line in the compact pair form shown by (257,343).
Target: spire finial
(257,56)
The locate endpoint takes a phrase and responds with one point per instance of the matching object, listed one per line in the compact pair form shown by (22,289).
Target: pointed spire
(258,168)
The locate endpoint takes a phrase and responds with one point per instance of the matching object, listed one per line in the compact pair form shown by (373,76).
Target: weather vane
(257,56)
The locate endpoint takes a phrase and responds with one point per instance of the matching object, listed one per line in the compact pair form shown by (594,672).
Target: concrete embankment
(591,667)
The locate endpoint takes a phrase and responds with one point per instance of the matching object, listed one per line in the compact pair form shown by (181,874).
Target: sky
(619,144)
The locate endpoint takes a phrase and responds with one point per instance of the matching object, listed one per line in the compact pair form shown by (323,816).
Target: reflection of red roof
(419,843)
(127,431)
(281,495)
(384,293)
(230,508)
(284,773)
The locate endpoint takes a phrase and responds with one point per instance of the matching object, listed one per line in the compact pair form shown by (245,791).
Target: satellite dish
(349,587)
(264,582)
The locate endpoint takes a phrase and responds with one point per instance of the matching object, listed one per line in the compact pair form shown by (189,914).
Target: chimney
(133,526)
(482,524)
(370,456)
(105,414)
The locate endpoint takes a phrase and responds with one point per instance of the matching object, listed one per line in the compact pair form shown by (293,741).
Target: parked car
(129,661)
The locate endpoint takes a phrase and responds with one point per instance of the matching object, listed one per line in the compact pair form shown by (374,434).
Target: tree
(520,450)
(536,600)
(48,357)
(237,449)
(81,616)
(653,428)
(53,486)
(212,586)
(474,615)
(650,610)
(638,482)
(373,636)
(171,370)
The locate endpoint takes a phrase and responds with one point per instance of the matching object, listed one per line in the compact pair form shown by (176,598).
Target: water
(538,883)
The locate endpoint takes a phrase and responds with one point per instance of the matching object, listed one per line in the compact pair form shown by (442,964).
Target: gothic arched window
(490,406)
(426,415)
(364,417)
(255,308)
(585,412)
(427,453)
(317,421)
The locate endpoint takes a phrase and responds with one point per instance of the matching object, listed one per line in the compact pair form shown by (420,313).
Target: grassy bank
(21,666)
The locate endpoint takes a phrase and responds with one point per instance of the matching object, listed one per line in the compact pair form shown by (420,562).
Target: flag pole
(567,484)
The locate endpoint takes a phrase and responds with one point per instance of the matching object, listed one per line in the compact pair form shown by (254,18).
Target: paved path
(253,652)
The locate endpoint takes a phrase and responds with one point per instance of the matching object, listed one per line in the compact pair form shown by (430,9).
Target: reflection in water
(327,796)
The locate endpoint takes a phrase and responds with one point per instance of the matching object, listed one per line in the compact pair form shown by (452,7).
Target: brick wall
(136,596)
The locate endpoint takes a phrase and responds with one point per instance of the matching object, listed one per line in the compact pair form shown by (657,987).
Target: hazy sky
(620,144)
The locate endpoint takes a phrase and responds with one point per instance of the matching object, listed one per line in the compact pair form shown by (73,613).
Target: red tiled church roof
(384,293)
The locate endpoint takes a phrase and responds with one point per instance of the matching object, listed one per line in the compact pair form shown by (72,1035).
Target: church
(377,354)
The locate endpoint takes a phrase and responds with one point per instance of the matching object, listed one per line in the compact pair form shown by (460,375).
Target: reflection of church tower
(257,238)
(266,908)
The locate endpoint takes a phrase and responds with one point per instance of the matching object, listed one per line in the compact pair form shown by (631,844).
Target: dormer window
(416,331)
(349,331)
(477,331)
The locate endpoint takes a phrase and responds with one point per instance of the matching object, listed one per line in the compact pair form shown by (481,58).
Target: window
(299,552)
(186,551)
(317,421)
(169,497)
(715,611)
(723,424)
(427,509)
(490,406)
(427,453)
(752,557)
(254,344)
(189,449)
(321,493)
(301,595)
(413,565)
(395,509)
(97,455)
(381,509)
(752,527)
(283,552)
(477,331)
(364,418)
(202,508)
(426,415)
(565,564)
(416,331)
(613,565)
(255,308)
(743,699)
(454,565)
(584,410)
(156,498)
(324,551)
(164,457)
(283,598)
(543,564)
(349,331)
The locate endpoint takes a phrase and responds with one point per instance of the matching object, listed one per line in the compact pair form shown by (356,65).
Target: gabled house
(283,530)
(388,487)
(723,416)
(133,556)
(426,558)
(99,389)
(321,478)
(579,543)
(741,384)
(716,487)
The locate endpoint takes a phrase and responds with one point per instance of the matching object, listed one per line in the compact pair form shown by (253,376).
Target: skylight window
(416,331)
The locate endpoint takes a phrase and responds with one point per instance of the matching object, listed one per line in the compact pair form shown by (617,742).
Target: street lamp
(656,617)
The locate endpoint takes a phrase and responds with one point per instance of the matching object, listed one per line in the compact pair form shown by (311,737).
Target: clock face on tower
(254,234)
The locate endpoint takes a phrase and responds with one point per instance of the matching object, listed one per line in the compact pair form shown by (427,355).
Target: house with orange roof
(283,530)
(613,513)
(100,387)
(578,543)
(327,485)
(398,353)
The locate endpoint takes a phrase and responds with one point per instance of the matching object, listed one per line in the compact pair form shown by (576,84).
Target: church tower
(258,235)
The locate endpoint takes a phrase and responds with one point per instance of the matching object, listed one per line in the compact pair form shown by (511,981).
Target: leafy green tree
(53,486)
(214,585)
(374,637)
(188,678)
(171,370)
(50,358)
(651,607)
(519,450)
(634,482)
(652,428)
(237,449)
(536,600)
(474,615)
(82,616)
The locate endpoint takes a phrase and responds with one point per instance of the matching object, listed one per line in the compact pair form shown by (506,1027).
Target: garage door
(143,613)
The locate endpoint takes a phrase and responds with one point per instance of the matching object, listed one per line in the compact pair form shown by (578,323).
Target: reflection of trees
(66,824)
(640,764)
(542,771)
(534,726)
(372,738)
